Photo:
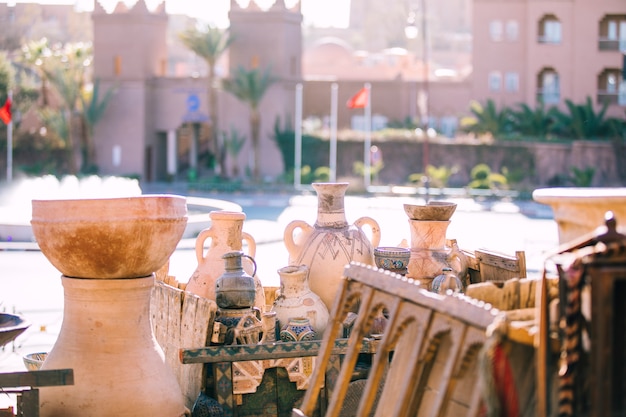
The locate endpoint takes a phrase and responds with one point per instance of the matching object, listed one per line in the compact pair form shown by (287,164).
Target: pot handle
(253,262)
(246,237)
(202,237)
(290,243)
(375,228)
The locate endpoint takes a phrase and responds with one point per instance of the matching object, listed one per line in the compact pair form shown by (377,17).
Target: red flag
(5,112)
(359,100)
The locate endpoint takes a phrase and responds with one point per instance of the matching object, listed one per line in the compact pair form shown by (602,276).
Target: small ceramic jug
(295,299)
(235,289)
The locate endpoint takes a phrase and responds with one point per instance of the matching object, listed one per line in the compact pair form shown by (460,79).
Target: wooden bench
(25,386)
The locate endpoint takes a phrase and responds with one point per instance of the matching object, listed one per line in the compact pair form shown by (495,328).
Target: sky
(322,13)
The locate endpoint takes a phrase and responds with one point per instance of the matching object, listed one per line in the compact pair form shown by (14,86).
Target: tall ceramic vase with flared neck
(331,243)
(430,252)
(226,235)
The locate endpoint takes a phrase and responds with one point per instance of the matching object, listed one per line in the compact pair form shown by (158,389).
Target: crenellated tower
(130,50)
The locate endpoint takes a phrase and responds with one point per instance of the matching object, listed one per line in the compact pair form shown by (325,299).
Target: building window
(611,87)
(495,30)
(495,81)
(612,33)
(549,91)
(549,30)
(511,81)
(512,30)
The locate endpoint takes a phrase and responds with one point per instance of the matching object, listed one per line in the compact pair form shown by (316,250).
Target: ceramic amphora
(226,235)
(331,243)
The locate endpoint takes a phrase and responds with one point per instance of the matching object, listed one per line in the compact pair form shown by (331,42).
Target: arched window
(611,87)
(549,29)
(549,88)
(612,33)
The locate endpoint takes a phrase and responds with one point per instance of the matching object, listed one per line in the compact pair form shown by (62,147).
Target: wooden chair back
(498,266)
(426,359)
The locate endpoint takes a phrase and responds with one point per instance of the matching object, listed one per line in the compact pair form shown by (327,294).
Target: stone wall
(535,164)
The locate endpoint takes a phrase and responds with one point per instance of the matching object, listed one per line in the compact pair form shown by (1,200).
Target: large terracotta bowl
(111,237)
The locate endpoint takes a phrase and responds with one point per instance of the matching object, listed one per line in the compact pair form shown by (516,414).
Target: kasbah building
(518,51)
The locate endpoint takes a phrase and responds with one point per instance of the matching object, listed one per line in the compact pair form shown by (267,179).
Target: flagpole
(333,132)
(368,138)
(10,144)
(297,174)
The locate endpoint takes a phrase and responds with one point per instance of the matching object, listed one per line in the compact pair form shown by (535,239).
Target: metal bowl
(11,326)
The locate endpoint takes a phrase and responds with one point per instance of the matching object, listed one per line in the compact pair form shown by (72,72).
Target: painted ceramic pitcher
(331,243)
(227,235)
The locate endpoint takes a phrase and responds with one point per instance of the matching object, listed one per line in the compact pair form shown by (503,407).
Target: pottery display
(297,329)
(392,258)
(226,235)
(331,243)
(295,299)
(106,336)
(109,237)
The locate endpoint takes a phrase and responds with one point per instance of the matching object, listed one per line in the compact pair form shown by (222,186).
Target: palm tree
(249,86)
(209,44)
(537,122)
(488,119)
(93,108)
(66,72)
(582,121)
(34,56)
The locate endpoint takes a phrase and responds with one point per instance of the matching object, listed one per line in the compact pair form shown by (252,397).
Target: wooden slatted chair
(426,360)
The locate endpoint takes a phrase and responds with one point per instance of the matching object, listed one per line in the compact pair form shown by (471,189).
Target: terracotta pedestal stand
(106,337)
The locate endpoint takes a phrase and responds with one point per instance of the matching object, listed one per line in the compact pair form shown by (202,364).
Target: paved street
(30,285)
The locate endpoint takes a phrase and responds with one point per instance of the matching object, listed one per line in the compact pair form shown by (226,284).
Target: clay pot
(295,299)
(111,237)
(107,339)
(226,235)
(331,243)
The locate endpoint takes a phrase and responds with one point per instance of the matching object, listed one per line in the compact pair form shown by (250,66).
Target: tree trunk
(72,148)
(255,124)
(213,123)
